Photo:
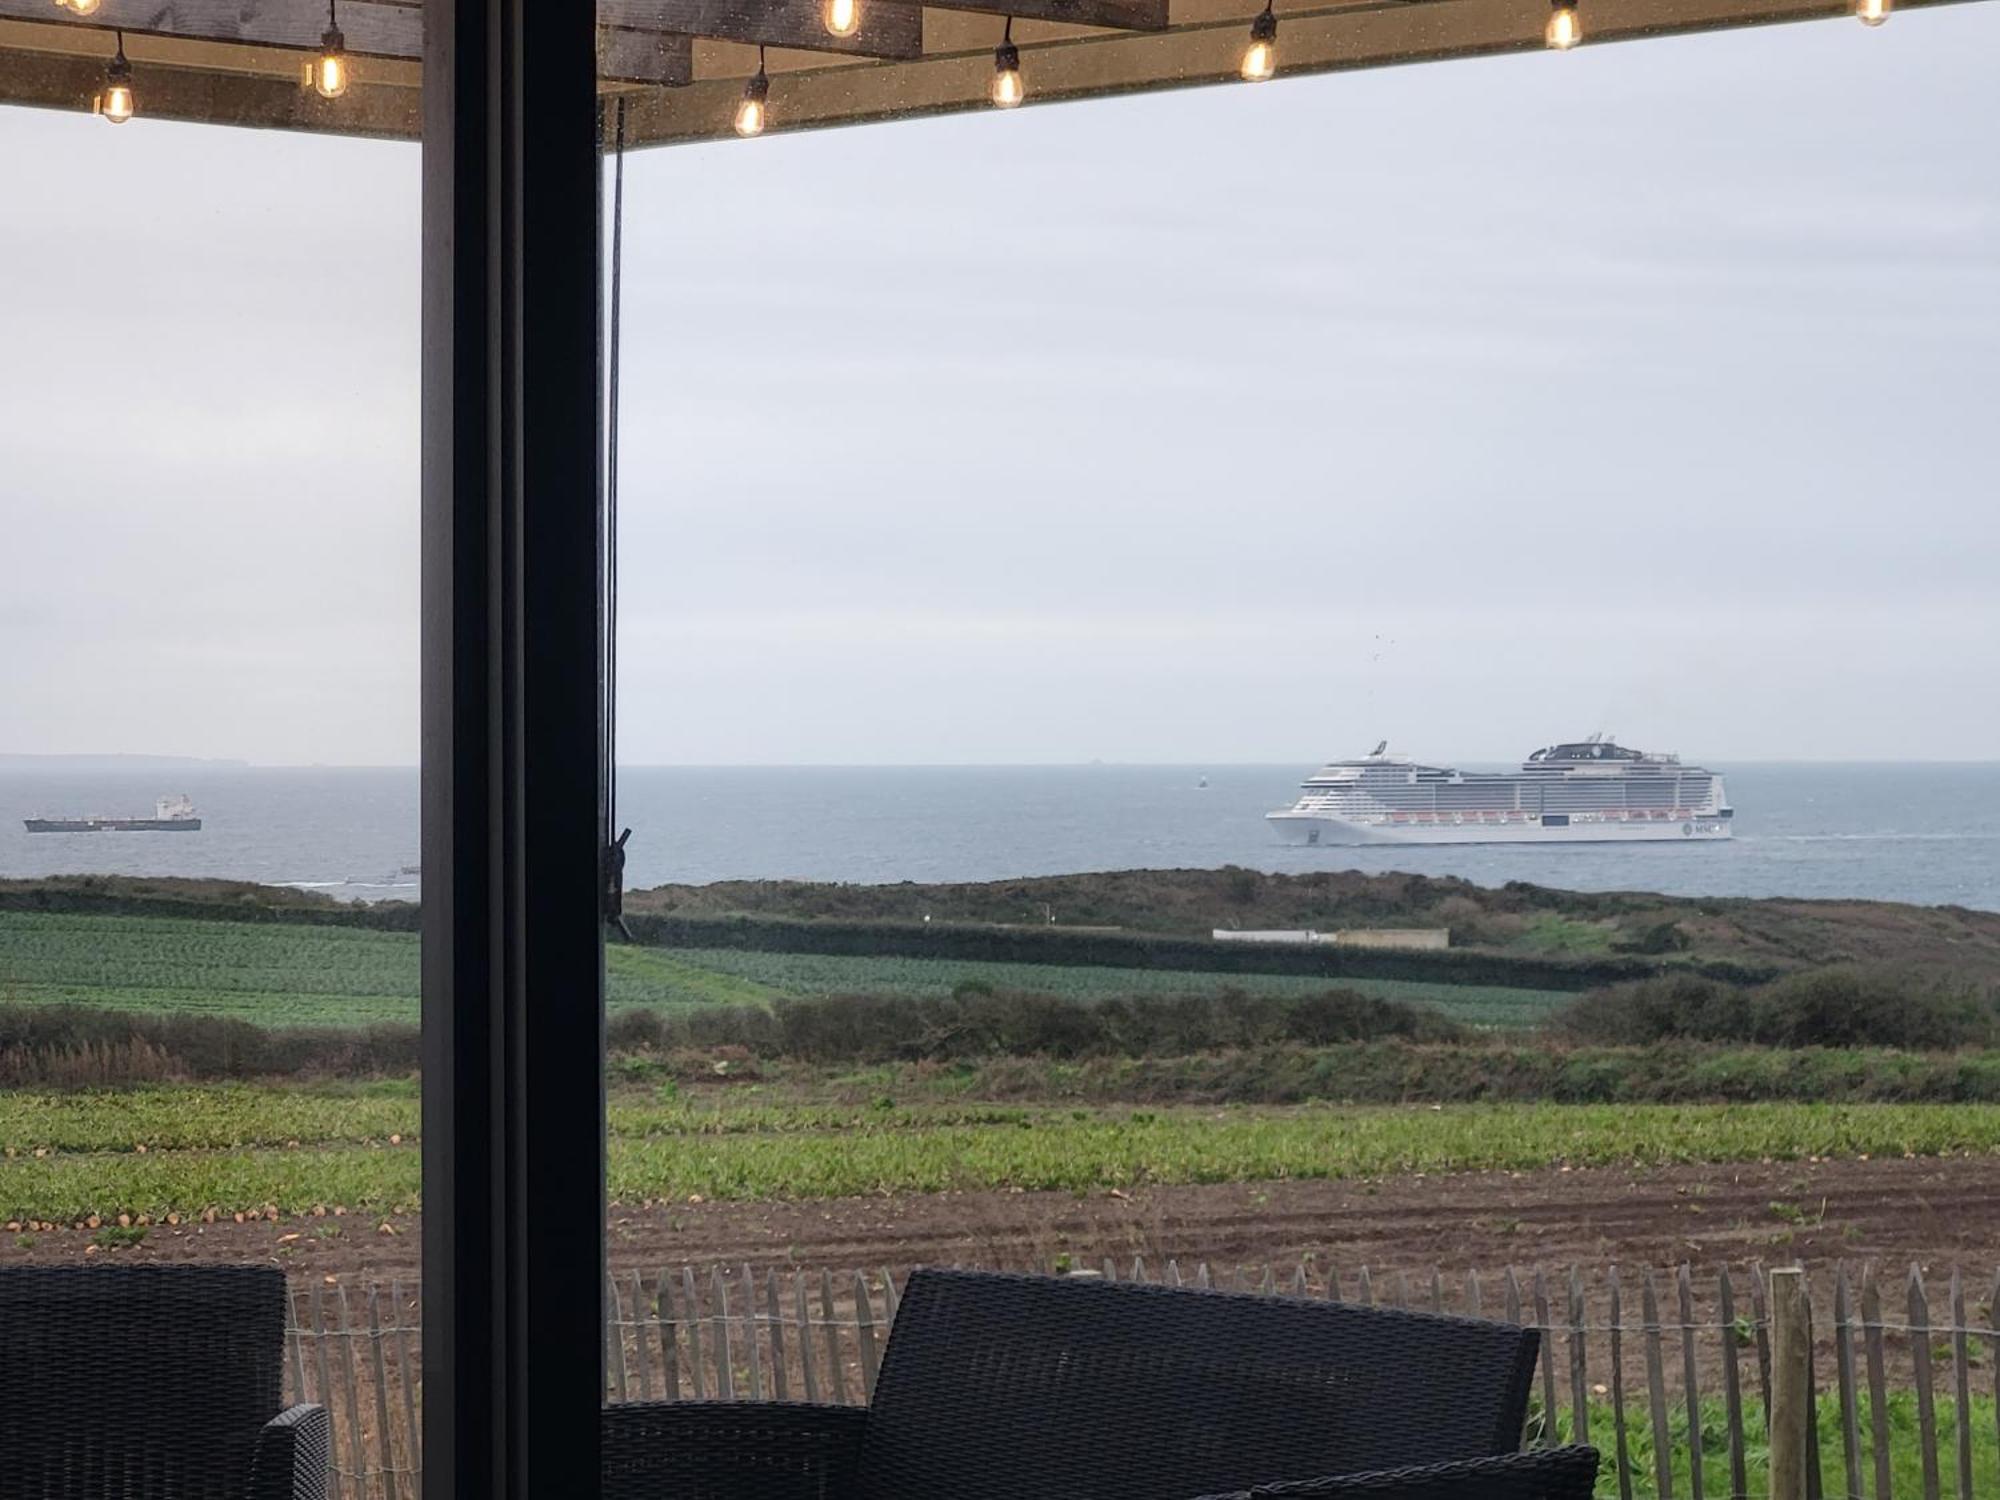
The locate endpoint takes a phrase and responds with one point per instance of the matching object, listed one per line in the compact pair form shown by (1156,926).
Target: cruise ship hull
(1320,829)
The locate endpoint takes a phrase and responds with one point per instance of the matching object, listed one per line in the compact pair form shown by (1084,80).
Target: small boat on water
(170,815)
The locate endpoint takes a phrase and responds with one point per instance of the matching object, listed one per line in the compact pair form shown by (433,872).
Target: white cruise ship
(1591,791)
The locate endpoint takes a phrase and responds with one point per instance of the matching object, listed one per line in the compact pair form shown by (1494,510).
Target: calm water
(1921,833)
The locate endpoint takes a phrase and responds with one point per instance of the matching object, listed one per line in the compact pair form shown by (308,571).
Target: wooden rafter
(372,28)
(369,28)
(888,29)
(1115,15)
(235,61)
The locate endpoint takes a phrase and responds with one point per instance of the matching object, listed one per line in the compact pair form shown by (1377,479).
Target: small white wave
(1868,838)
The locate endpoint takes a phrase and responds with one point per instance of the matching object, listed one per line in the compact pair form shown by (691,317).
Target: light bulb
(1007,90)
(81,7)
(1872,12)
(1261,60)
(117,103)
(1565,29)
(841,17)
(750,114)
(329,69)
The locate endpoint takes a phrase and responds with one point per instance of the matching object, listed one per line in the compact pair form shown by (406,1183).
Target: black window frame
(513,785)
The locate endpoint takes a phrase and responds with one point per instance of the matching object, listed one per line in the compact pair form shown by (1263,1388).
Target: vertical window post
(513,1232)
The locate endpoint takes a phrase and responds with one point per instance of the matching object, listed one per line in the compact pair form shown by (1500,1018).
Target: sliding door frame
(513,793)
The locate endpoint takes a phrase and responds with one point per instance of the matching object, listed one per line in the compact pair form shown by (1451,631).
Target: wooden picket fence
(1659,1369)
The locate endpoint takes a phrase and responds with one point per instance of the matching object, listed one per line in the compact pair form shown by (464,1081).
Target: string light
(841,17)
(750,114)
(81,7)
(1260,59)
(117,103)
(1565,28)
(1007,90)
(1872,12)
(328,73)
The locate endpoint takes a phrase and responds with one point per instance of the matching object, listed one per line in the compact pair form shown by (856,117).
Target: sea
(1923,833)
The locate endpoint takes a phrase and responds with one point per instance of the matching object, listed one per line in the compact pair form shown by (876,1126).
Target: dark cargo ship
(170,815)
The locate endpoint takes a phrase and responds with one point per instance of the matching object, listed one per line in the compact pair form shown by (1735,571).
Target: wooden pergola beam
(1204,46)
(51,61)
(69,82)
(369,28)
(628,56)
(1114,15)
(639,41)
(889,29)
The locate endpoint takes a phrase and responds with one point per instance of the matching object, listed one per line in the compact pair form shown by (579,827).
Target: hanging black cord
(614,846)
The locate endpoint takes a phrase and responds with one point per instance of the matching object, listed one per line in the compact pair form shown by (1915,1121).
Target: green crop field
(274,974)
(299,975)
(244,1148)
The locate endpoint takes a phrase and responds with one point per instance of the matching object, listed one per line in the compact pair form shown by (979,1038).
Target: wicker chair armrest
(726,1450)
(1543,1474)
(291,1456)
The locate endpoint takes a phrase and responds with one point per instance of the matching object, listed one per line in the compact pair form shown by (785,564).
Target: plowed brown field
(1933,1210)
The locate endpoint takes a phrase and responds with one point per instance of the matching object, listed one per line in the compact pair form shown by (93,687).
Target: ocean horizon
(1920,832)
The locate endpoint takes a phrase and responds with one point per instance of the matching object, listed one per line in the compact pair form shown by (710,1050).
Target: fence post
(1878,1390)
(1961,1359)
(1656,1391)
(1920,1358)
(381,1373)
(807,1375)
(1617,1333)
(1732,1384)
(780,1377)
(1690,1389)
(1550,1411)
(320,1340)
(1843,1375)
(750,1332)
(640,1324)
(1579,1365)
(1789,1349)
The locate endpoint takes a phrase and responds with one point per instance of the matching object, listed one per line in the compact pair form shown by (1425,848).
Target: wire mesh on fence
(1668,1373)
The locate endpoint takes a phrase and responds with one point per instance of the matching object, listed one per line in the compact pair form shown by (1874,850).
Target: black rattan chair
(1005,1387)
(151,1383)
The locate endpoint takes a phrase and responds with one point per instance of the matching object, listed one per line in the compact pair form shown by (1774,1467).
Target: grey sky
(1646,387)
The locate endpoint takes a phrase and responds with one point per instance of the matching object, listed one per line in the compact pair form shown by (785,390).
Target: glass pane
(208,783)
(1238,683)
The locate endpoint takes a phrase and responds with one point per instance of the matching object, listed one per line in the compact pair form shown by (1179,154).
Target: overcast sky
(1649,388)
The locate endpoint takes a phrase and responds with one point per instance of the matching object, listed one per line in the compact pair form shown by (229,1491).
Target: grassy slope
(825,974)
(285,974)
(1515,917)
